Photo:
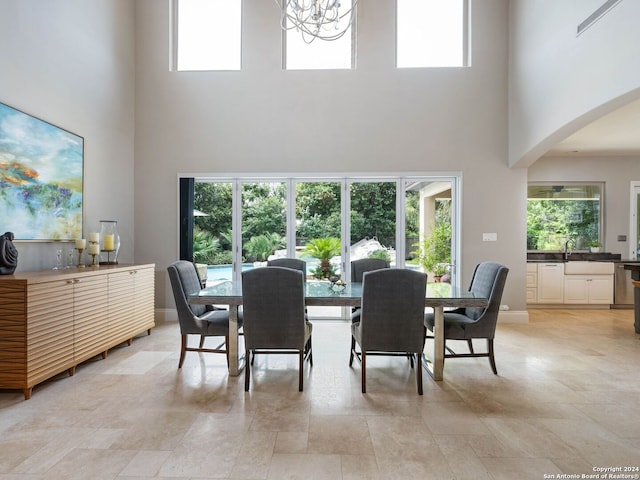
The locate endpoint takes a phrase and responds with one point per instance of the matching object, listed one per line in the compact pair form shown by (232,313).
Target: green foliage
(373,212)
(263,209)
(381,254)
(259,248)
(550,223)
(205,247)
(435,249)
(324,249)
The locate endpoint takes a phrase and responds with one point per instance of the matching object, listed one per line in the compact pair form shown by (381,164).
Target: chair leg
(410,355)
(492,359)
(301,363)
(364,371)
(226,348)
(353,346)
(246,371)
(470,343)
(201,341)
(183,350)
(310,352)
(419,375)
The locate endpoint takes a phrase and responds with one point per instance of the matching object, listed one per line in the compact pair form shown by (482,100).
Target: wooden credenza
(52,320)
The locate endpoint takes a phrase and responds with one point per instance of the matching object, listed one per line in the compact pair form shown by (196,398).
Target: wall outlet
(622,238)
(489,237)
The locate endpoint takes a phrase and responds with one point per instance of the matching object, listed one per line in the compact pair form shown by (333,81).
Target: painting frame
(41,178)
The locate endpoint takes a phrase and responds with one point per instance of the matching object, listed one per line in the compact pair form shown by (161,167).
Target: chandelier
(323,19)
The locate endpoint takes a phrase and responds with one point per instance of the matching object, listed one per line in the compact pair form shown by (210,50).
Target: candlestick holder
(109,242)
(94,251)
(80,264)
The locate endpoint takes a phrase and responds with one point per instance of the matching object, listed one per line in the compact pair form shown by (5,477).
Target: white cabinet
(532,283)
(551,283)
(570,283)
(588,289)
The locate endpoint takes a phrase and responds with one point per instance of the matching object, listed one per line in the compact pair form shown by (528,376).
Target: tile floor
(566,401)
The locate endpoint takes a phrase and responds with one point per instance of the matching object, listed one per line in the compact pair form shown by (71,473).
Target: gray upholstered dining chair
(488,281)
(201,320)
(392,318)
(294,263)
(358,268)
(274,318)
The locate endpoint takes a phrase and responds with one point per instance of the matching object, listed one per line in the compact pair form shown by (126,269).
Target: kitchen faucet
(567,252)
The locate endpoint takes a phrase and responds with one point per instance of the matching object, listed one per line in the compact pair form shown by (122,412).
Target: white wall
(374,118)
(616,172)
(71,63)
(560,82)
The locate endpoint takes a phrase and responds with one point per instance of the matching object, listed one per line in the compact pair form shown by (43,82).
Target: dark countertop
(574,256)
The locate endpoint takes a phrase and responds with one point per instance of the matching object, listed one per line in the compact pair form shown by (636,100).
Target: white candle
(109,242)
(81,243)
(94,249)
(94,237)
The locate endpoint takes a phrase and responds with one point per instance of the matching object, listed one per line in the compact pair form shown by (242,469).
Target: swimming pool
(224,272)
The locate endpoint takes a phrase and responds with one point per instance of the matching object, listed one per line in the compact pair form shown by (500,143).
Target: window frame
(401,182)
(601,218)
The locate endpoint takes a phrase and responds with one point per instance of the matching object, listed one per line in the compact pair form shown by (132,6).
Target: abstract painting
(41,168)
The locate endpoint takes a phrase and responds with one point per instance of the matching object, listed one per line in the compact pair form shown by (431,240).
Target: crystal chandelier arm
(313,18)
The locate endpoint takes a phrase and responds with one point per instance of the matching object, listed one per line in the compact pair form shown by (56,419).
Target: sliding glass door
(240,223)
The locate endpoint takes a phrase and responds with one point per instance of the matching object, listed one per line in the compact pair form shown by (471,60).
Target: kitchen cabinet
(550,283)
(588,289)
(532,282)
(50,321)
(570,283)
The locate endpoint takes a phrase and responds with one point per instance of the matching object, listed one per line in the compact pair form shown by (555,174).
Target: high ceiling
(615,134)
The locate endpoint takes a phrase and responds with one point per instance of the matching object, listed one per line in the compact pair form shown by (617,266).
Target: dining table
(438,296)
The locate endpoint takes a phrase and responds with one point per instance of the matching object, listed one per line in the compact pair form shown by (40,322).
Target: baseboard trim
(166,315)
(515,316)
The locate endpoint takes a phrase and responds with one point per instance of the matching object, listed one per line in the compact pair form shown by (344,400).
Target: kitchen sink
(578,267)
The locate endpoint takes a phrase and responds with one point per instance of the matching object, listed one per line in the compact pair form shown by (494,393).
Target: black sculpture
(8,254)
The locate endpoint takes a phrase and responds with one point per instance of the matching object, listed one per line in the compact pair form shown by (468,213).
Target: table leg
(436,366)
(234,370)
(438,343)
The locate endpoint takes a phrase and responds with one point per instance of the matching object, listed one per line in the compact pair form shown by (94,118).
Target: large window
(207,34)
(431,33)
(564,212)
(240,223)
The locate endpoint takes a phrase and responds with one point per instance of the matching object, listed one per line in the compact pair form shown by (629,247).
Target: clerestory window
(207,34)
(431,33)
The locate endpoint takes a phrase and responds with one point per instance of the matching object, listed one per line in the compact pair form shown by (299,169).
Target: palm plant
(205,246)
(261,246)
(324,249)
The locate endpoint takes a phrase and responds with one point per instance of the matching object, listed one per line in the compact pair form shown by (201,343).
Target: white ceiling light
(323,19)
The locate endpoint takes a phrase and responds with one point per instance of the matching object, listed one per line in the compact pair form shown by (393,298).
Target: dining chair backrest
(488,281)
(294,263)
(185,281)
(392,317)
(273,308)
(362,265)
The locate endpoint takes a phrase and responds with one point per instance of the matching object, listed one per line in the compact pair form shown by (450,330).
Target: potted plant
(595,246)
(324,249)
